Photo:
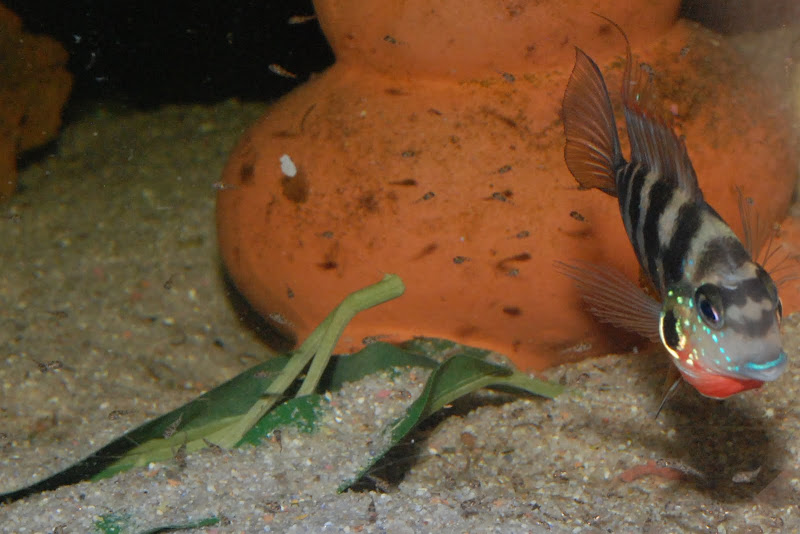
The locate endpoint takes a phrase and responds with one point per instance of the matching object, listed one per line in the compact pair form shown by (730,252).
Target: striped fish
(719,313)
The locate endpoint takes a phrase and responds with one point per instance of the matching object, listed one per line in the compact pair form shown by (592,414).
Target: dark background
(147,53)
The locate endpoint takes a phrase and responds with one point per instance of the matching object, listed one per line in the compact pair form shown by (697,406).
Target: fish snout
(765,369)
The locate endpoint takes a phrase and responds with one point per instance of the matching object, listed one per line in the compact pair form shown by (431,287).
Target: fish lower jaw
(752,372)
(717,386)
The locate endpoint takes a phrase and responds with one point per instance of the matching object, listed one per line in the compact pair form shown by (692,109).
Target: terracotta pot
(433,149)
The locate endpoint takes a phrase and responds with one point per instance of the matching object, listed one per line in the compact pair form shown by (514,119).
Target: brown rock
(34,87)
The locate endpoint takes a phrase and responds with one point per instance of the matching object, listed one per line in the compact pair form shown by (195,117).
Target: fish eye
(709,302)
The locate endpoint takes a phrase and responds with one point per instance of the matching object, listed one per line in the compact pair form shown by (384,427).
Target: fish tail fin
(593,150)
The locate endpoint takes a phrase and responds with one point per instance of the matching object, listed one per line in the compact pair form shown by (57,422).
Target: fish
(717,311)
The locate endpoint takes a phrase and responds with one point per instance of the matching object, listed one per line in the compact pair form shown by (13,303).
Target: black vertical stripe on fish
(659,196)
(719,252)
(656,145)
(673,257)
(669,331)
(631,181)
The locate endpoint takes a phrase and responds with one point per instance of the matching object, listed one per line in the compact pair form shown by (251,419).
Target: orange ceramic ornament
(433,149)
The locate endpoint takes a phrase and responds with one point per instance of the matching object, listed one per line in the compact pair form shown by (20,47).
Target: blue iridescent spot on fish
(714,298)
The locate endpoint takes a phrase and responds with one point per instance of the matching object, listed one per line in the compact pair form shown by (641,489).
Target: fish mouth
(765,371)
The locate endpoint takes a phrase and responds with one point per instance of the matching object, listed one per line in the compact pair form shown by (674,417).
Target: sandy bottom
(113,311)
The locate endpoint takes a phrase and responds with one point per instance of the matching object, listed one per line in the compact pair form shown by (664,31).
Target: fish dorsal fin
(614,299)
(759,239)
(592,151)
(650,129)
(754,234)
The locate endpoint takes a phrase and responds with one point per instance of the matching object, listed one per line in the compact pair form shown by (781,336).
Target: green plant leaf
(251,405)
(112,523)
(302,412)
(457,376)
(226,414)
(200,418)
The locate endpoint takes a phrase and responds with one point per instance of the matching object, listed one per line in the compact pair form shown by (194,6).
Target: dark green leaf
(112,524)
(459,375)
(442,348)
(301,412)
(371,359)
(207,522)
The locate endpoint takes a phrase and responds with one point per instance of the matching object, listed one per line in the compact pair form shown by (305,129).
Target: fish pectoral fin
(592,151)
(614,299)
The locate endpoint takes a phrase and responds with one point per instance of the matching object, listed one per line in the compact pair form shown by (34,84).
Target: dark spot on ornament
(503,265)
(524,256)
(295,188)
(246,173)
(368,202)
(427,251)
(508,121)
(329,262)
(577,216)
(604,29)
(406,182)
(584,232)
(395,91)
(513,311)
(466,330)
